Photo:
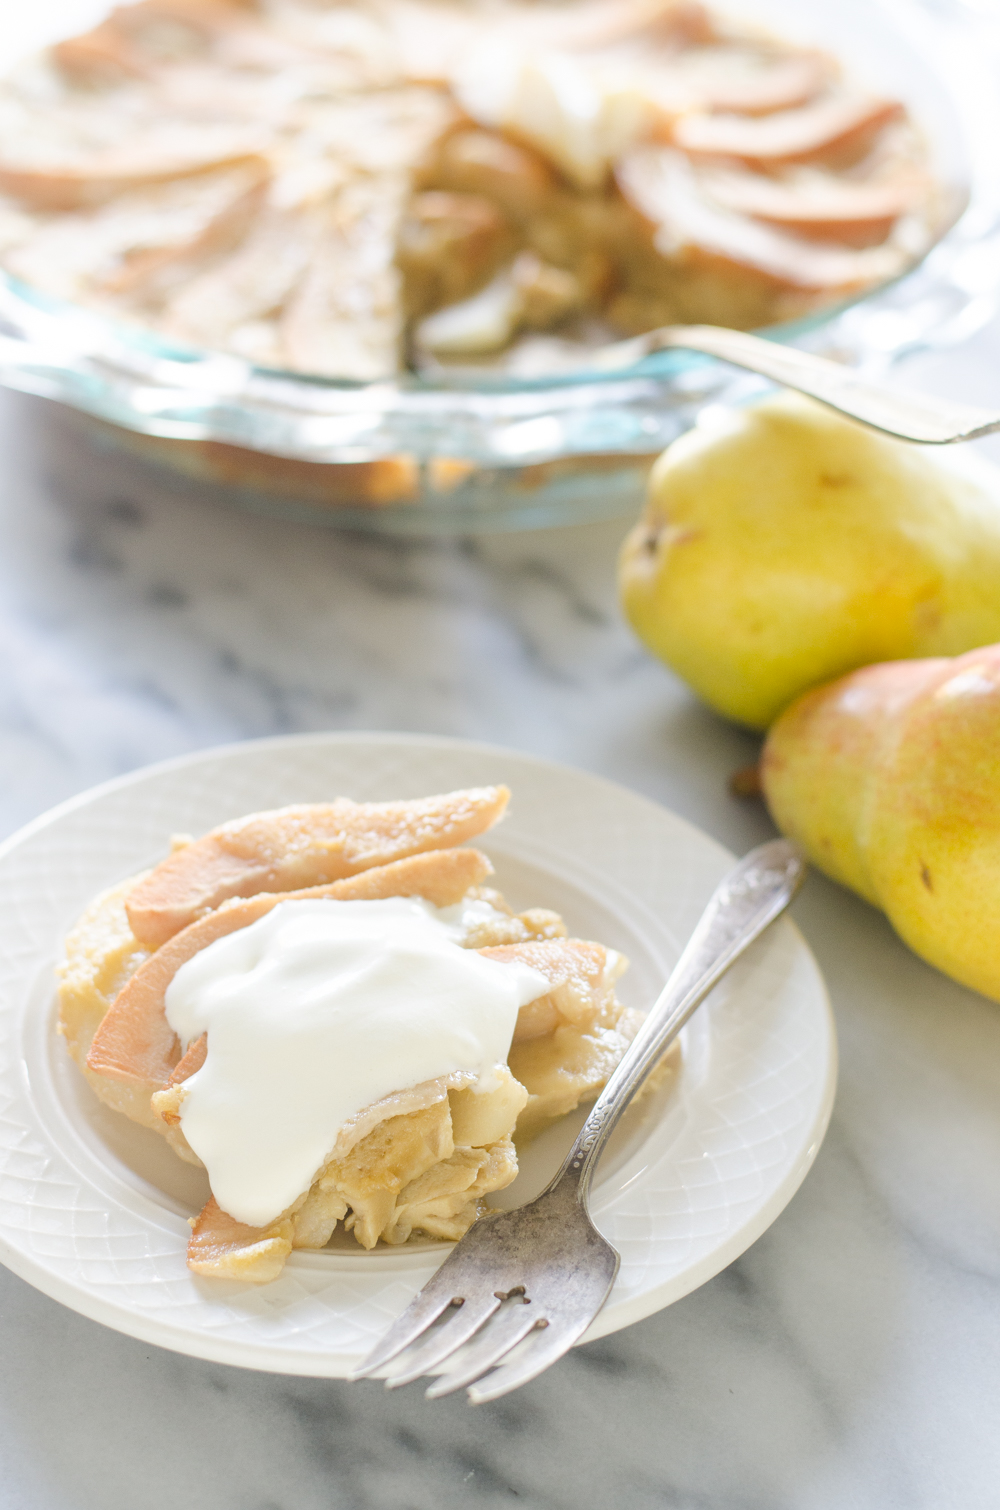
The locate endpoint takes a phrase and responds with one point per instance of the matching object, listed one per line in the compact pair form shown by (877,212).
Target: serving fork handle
(924,418)
(752,895)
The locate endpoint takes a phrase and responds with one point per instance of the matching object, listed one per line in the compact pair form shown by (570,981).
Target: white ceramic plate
(93,1209)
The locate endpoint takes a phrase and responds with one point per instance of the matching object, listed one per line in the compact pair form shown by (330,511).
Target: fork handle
(752,895)
(919,417)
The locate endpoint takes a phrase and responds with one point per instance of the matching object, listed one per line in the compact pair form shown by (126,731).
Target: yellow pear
(783,545)
(890,780)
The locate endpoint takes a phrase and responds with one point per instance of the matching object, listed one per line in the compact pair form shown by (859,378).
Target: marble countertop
(850,1358)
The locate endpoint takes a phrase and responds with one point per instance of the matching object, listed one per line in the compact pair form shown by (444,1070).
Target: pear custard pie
(348,188)
(331,1010)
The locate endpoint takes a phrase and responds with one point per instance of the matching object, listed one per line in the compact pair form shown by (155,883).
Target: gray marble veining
(850,1358)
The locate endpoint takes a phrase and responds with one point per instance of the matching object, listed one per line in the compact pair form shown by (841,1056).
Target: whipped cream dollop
(314,1012)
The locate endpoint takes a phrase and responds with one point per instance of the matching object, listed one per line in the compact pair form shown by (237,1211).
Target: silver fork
(545,1267)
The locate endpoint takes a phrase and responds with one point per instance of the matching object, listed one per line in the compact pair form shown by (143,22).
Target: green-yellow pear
(784,545)
(890,780)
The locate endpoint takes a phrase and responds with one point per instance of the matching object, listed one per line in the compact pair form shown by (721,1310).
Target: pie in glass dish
(351,189)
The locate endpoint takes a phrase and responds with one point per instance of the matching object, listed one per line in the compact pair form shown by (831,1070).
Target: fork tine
(545,1350)
(497,1340)
(453,1335)
(424,1308)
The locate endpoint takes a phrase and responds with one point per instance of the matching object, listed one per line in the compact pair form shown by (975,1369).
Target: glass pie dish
(475,449)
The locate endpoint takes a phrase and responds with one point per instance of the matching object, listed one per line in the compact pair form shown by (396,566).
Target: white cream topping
(314,1012)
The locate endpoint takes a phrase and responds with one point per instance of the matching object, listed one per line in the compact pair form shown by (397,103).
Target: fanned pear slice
(829,125)
(747,261)
(857,212)
(740,80)
(113,49)
(296,847)
(155,153)
(224,1248)
(581,976)
(136,1044)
